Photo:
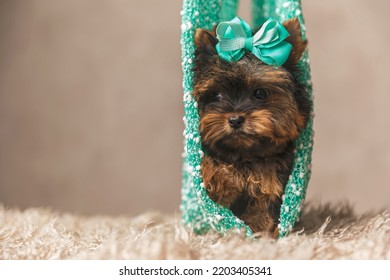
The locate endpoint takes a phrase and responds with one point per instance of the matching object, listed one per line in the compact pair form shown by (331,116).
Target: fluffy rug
(325,232)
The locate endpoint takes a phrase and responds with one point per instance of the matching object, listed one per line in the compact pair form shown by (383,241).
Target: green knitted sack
(198,211)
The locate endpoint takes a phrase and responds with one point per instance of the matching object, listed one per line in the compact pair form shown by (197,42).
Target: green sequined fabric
(198,211)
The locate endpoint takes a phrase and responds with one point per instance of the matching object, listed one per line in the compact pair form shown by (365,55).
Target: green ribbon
(267,44)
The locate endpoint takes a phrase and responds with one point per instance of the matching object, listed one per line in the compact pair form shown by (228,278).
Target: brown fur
(299,46)
(204,38)
(225,183)
(246,168)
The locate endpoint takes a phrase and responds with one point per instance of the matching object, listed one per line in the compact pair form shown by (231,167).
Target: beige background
(91,106)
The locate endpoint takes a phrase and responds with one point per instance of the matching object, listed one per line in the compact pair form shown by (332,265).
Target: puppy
(250,114)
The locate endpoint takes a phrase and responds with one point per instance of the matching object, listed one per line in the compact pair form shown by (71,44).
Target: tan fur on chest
(222,178)
(225,183)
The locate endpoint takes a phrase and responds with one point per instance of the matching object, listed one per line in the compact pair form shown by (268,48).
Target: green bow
(267,44)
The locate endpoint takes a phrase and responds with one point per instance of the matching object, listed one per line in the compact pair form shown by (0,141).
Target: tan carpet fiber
(325,232)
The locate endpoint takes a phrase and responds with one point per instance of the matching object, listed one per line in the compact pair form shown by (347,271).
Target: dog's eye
(210,98)
(260,94)
(215,97)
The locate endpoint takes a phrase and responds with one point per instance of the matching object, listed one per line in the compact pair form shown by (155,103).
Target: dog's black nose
(236,121)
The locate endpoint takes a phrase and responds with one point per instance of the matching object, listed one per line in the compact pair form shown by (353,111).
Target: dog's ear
(295,39)
(205,38)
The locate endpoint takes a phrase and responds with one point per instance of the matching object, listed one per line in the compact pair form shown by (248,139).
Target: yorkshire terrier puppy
(250,114)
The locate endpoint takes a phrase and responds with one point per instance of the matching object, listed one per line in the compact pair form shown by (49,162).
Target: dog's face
(245,103)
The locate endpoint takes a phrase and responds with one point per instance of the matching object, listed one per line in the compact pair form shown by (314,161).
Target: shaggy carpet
(324,232)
